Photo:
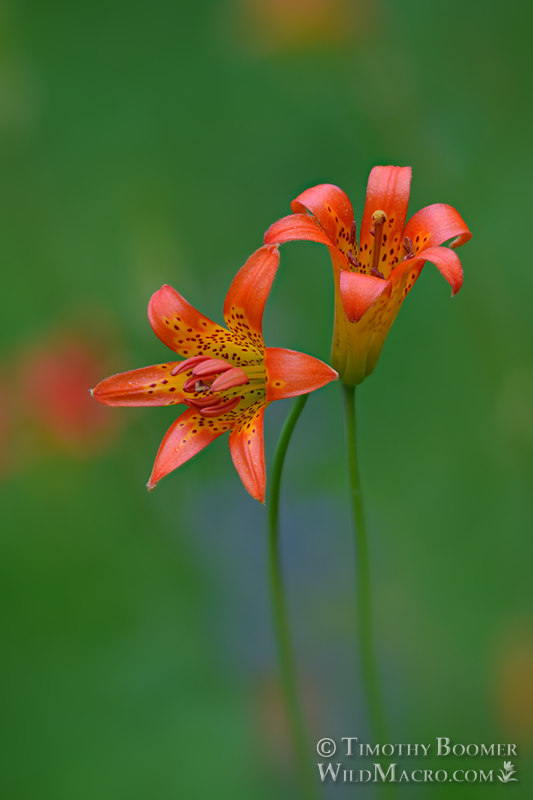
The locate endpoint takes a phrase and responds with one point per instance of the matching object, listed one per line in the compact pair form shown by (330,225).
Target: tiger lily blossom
(373,276)
(227,377)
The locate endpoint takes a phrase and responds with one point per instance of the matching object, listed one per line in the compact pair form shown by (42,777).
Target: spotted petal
(247,295)
(181,327)
(436,224)
(333,210)
(296,227)
(247,452)
(446,260)
(149,386)
(388,190)
(291,373)
(189,434)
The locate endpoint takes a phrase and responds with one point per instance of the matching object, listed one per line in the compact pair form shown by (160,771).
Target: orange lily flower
(373,278)
(227,379)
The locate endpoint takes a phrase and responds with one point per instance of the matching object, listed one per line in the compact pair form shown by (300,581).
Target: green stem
(279,609)
(364,598)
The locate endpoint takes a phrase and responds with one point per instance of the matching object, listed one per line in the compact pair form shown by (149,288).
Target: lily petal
(247,295)
(189,434)
(291,373)
(446,260)
(333,210)
(436,224)
(149,386)
(247,452)
(359,292)
(296,227)
(388,190)
(181,327)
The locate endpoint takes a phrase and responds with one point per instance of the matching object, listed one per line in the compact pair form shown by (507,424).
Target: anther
(203,402)
(210,366)
(183,366)
(352,259)
(229,379)
(352,233)
(379,218)
(408,247)
(221,408)
(376,273)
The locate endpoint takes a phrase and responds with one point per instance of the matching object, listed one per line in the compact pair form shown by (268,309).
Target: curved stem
(364,598)
(279,609)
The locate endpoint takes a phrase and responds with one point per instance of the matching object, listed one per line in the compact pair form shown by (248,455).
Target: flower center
(210,381)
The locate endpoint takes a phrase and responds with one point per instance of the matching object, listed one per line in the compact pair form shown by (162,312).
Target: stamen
(376,273)
(203,402)
(183,366)
(229,379)
(352,259)
(379,219)
(408,247)
(210,366)
(352,233)
(217,410)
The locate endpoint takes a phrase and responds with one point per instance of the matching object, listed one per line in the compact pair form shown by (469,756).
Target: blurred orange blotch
(274,738)
(55,383)
(273,726)
(514,681)
(3,427)
(288,24)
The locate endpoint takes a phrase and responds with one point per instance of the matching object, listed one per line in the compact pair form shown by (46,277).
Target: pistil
(379,219)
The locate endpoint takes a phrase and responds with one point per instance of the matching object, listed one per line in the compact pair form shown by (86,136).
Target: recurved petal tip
(291,373)
(247,453)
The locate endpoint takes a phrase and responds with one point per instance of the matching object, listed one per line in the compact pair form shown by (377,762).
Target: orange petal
(333,210)
(294,227)
(359,292)
(446,260)
(434,225)
(247,453)
(149,386)
(245,301)
(189,434)
(388,190)
(181,327)
(290,373)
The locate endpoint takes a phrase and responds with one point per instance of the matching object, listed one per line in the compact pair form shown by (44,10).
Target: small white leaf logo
(506,772)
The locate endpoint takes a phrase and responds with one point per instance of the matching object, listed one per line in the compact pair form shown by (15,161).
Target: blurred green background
(152,143)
